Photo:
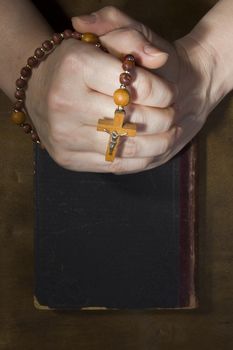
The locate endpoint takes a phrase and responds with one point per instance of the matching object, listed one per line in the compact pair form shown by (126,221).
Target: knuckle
(59,97)
(145,86)
(111,11)
(71,61)
(130,34)
(56,101)
(145,31)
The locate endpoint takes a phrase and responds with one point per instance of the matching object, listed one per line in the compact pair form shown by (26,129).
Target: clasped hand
(171,95)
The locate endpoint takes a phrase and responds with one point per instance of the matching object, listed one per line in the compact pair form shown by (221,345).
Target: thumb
(103,21)
(124,41)
(111,18)
(120,34)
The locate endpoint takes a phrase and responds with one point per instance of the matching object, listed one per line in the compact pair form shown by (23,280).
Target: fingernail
(87,18)
(153,51)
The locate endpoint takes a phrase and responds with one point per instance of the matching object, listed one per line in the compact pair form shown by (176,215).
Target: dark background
(24,327)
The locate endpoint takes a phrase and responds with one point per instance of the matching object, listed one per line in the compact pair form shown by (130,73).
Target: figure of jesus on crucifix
(116,129)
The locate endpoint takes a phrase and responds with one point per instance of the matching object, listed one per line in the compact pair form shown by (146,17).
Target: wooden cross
(116,129)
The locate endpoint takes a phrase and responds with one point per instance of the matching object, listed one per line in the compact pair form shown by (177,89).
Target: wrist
(219,50)
(214,34)
(22,30)
(202,73)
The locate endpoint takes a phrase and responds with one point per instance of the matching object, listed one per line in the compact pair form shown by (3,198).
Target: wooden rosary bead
(103,48)
(21,83)
(32,61)
(47,45)
(18,105)
(90,38)
(34,136)
(67,34)
(77,35)
(57,38)
(125,79)
(121,97)
(128,65)
(27,128)
(26,72)
(39,53)
(18,117)
(129,58)
(20,94)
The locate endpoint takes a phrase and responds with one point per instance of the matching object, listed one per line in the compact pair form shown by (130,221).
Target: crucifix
(116,129)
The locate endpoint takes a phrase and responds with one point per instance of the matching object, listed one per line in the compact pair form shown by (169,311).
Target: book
(104,241)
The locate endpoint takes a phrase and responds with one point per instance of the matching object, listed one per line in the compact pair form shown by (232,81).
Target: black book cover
(106,241)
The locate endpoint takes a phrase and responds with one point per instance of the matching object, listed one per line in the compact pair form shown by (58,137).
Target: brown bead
(39,53)
(104,49)
(77,35)
(90,38)
(34,136)
(18,105)
(18,117)
(57,38)
(47,45)
(27,128)
(129,58)
(26,72)
(67,33)
(125,78)
(20,94)
(32,61)
(128,65)
(21,83)
(101,47)
(121,97)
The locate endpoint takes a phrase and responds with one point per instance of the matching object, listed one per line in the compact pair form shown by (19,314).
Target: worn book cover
(106,241)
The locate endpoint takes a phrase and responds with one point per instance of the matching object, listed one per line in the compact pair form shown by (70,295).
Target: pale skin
(172,102)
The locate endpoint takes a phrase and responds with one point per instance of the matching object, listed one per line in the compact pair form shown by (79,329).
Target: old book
(105,241)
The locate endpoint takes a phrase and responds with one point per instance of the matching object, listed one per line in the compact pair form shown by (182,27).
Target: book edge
(41,307)
(193,180)
(190,299)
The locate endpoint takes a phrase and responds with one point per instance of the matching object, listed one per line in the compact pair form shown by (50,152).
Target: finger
(94,162)
(131,41)
(87,139)
(111,18)
(149,145)
(149,120)
(103,21)
(147,89)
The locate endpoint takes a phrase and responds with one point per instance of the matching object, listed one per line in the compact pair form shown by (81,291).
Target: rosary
(116,127)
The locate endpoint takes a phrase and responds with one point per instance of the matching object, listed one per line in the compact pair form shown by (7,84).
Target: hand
(190,67)
(73,88)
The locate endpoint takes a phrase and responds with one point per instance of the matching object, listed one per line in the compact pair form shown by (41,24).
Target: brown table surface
(24,327)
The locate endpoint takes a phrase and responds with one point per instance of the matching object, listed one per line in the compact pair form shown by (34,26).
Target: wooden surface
(24,327)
